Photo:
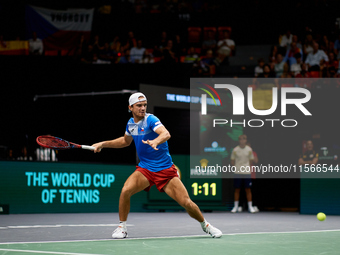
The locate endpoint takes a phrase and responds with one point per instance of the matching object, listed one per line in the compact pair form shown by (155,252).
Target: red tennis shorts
(160,179)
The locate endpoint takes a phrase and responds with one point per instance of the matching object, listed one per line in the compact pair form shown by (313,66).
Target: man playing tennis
(155,166)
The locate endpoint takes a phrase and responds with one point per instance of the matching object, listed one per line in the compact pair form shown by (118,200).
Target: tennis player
(155,166)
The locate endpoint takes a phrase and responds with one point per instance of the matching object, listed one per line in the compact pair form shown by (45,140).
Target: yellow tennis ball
(321,216)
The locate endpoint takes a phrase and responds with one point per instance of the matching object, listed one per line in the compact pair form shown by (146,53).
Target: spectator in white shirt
(295,68)
(316,58)
(259,67)
(227,45)
(137,53)
(286,39)
(36,46)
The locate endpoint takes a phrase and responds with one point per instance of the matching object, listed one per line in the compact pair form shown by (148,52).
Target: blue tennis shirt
(153,160)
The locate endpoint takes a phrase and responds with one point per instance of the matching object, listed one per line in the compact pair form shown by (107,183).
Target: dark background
(252,22)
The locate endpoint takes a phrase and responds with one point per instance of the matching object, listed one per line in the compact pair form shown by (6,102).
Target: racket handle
(86,147)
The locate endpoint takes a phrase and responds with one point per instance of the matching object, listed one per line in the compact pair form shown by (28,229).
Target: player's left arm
(163,136)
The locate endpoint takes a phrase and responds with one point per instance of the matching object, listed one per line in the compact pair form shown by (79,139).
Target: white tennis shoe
(210,229)
(119,233)
(235,209)
(252,210)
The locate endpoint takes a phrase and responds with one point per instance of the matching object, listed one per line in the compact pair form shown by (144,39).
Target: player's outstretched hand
(98,147)
(151,143)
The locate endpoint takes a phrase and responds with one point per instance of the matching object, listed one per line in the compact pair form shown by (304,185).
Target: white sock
(235,203)
(250,204)
(204,224)
(122,224)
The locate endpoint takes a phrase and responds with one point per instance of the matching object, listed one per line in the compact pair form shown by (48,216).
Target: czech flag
(59,30)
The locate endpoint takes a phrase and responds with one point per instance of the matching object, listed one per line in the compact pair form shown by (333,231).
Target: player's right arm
(120,142)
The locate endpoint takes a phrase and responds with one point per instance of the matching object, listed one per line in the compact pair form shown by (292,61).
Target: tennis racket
(52,142)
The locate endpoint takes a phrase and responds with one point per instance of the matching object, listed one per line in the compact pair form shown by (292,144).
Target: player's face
(139,109)
(242,141)
(309,145)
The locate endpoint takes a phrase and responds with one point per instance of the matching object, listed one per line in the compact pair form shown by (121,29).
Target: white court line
(64,225)
(166,237)
(48,252)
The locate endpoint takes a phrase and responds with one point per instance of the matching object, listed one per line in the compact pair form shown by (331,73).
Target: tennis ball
(321,216)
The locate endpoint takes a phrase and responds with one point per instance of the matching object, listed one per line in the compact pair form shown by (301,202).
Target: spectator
(178,47)
(116,45)
(308,45)
(36,46)
(331,66)
(168,56)
(290,54)
(272,55)
(148,58)
(267,72)
(337,47)
(286,39)
(296,67)
(96,45)
(137,53)
(298,44)
(210,43)
(81,47)
(192,56)
(304,74)
(124,57)
(259,67)
(331,48)
(207,63)
(131,41)
(324,44)
(281,66)
(309,156)
(161,44)
(316,58)
(107,53)
(226,46)
(87,56)
(96,60)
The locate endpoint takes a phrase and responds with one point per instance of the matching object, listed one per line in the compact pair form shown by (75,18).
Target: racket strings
(53,142)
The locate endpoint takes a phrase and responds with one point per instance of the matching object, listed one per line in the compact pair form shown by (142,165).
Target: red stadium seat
(194,34)
(198,50)
(206,30)
(150,50)
(65,53)
(51,53)
(157,59)
(221,31)
(315,74)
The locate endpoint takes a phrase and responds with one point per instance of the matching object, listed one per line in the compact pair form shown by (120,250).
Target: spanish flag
(14,48)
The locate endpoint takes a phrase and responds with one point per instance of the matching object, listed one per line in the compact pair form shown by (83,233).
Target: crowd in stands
(308,57)
(204,55)
(301,56)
